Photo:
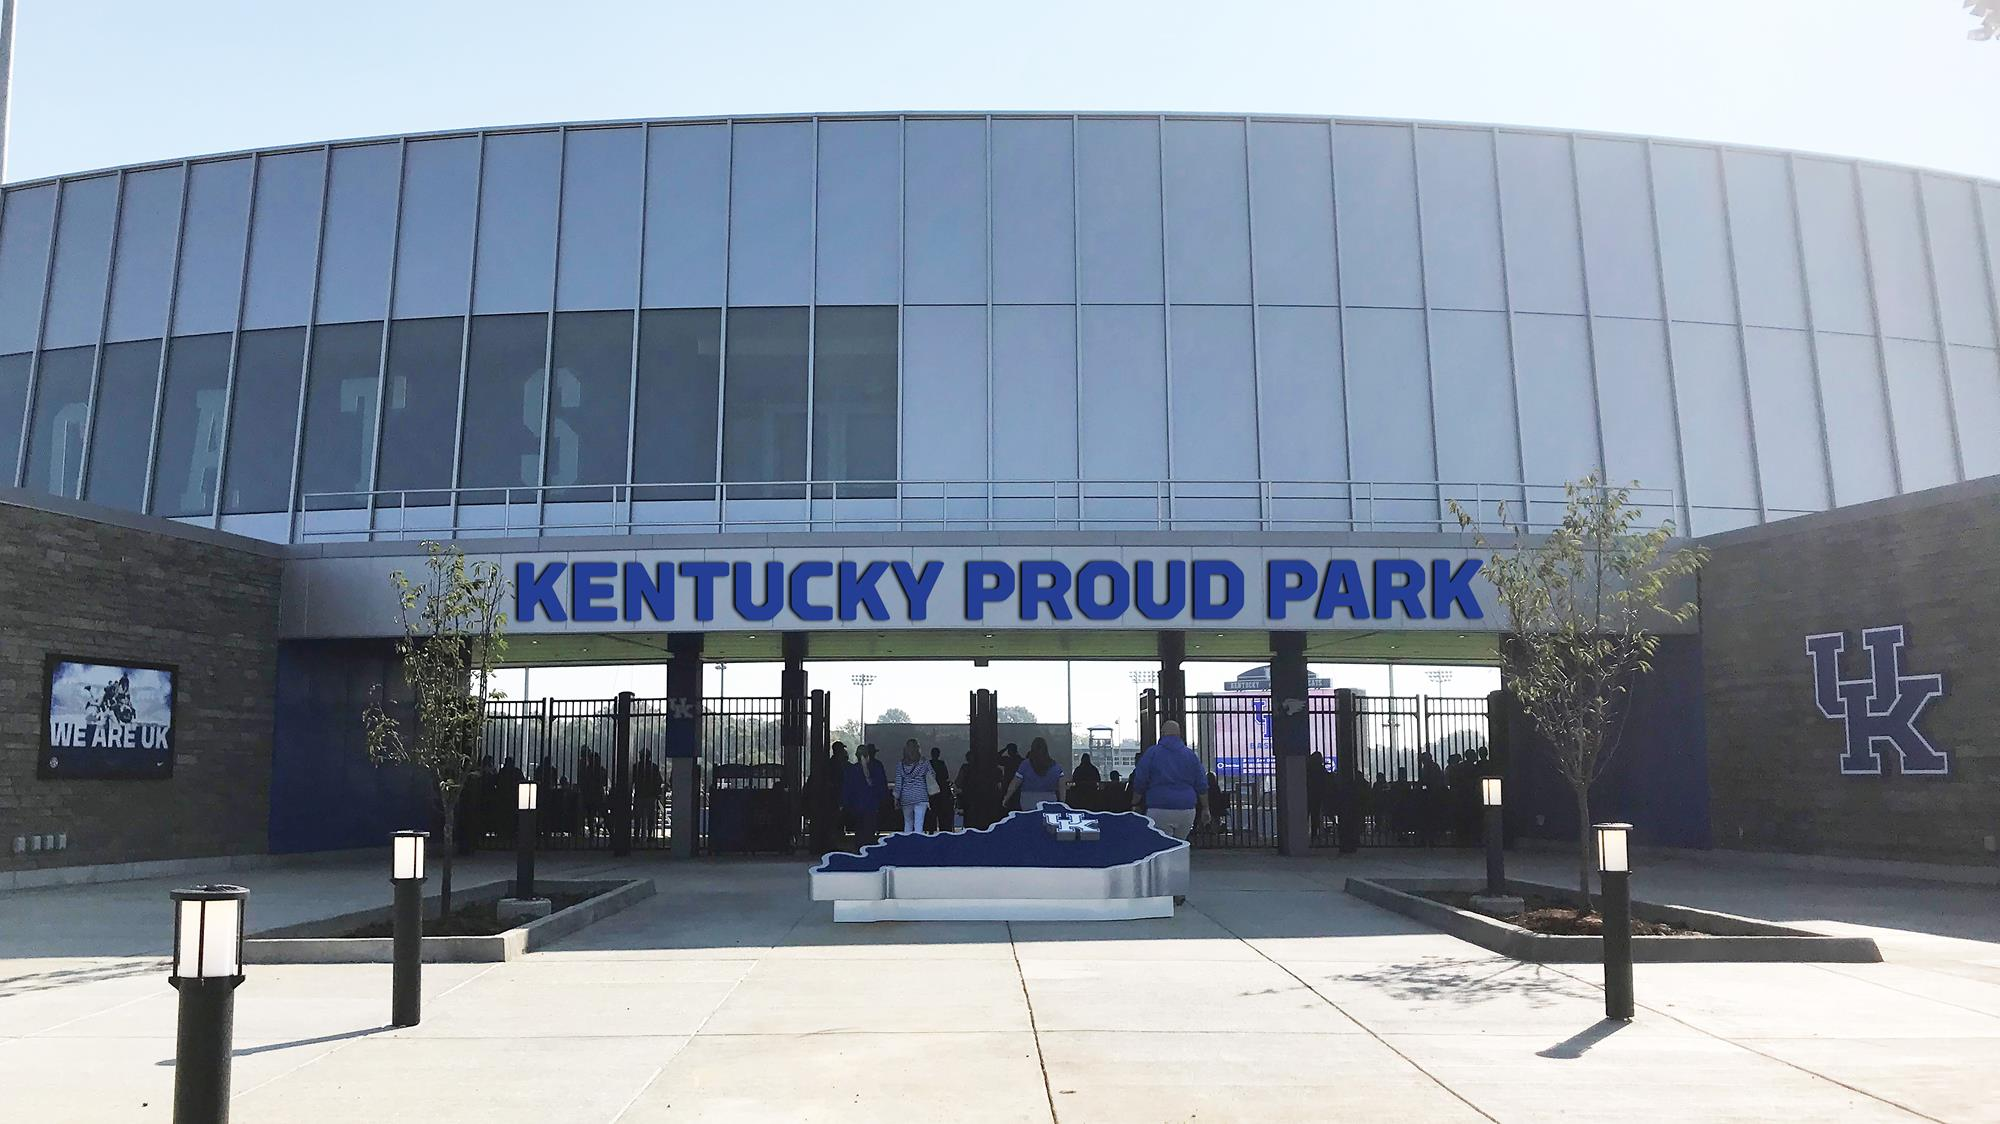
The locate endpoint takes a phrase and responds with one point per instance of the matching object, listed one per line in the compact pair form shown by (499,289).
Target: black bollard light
(1496,861)
(524,835)
(207,967)
(1614,874)
(406,873)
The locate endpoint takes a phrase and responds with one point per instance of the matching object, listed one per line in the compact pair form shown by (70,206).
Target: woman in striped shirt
(913,783)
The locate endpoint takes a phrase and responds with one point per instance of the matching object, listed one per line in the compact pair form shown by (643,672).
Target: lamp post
(1614,873)
(524,834)
(1496,862)
(406,872)
(862,682)
(207,967)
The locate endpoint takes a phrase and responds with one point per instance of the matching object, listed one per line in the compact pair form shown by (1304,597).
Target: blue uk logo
(1881,710)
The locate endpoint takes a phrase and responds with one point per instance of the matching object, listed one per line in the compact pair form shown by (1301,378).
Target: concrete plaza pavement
(1271,996)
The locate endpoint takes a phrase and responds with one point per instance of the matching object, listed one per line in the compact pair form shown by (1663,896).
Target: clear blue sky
(102,82)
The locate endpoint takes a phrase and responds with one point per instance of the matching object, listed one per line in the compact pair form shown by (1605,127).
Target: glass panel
(1375,183)
(1638,406)
(860,189)
(1921,413)
(1118,210)
(434,245)
(1124,393)
(1033,236)
(1213,425)
(284,236)
(1790,459)
(1034,390)
(1617,228)
(191,421)
(25,222)
(589,401)
(1896,250)
(121,435)
(1558,407)
(1961,272)
(1291,193)
(764,398)
(419,418)
(1975,377)
(854,397)
(62,407)
(1461,219)
(504,399)
(944,217)
(1715,425)
(598,266)
(212,245)
(687,216)
(680,376)
(771,215)
(83,252)
(1302,404)
(1857,419)
(148,218)
(1694,241)
(516,259)
(360,233)
(1767,255)
(944,394)
(1208,209)
(13,401)
(340,414)
(1538,206)
(1478,439)
(263,414)
(1388,388)
(1836,266)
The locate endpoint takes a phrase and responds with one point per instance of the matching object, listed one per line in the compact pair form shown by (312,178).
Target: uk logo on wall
(1880,712)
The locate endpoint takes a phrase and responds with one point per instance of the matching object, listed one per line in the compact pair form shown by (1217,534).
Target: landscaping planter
(317,942)
(1725,936)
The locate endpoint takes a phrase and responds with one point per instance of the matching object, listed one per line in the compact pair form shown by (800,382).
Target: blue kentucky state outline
(1020,840)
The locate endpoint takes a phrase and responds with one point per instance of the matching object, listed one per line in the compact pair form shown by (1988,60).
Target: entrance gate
(605,782)
(1384,783)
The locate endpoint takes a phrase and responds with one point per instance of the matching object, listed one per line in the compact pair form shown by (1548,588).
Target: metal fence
(567,747)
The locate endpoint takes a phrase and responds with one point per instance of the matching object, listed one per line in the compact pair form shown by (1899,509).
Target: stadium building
(995,386)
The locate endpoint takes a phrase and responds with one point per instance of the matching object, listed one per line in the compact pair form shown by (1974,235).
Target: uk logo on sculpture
(1881,710)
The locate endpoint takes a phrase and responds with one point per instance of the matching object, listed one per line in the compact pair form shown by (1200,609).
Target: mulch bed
(1561,919)
(476,920)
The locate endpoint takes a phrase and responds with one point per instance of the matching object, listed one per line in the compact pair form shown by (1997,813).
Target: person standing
(913,787)
(979,788)
(941,803)
(1037,778)
(1172,784)
(858,799)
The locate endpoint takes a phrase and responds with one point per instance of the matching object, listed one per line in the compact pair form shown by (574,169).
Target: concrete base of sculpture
(1051,863)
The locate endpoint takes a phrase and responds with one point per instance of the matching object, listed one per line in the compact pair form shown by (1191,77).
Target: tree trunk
(1583,841)
(444,888)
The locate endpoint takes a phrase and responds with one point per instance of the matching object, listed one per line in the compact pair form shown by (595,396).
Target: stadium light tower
(862,682)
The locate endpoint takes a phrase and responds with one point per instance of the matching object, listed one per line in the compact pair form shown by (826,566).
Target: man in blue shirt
(1171,783)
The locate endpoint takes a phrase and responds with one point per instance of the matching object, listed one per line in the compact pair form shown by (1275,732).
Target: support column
(793,708)
(1291,739)
(1173,681)
(620,807)
(683,742)
(1347,759)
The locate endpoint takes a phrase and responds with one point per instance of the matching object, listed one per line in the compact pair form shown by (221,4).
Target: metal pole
(1616,905)
(524,854)
(202,1049)
(1496,863)
(6,75)
(406,986)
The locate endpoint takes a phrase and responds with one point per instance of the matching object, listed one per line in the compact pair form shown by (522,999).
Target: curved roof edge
(973,115)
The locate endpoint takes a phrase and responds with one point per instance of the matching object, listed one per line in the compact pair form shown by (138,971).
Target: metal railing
(931,505)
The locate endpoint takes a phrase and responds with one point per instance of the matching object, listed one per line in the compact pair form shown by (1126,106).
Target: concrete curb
(30,878)
(301,944)
(1740,939)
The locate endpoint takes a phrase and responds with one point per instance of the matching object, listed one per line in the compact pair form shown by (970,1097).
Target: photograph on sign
(107,720)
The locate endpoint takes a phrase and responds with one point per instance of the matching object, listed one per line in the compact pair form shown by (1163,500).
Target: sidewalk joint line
(1034,1029)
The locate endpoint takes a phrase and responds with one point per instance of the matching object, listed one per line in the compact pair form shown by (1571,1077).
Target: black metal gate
(754,759)
(1413,780)
(568,748)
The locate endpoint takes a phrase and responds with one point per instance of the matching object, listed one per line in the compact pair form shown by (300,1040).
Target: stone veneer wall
(87,581)
(1929,561)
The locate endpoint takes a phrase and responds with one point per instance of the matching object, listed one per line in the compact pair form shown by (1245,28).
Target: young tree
(454,634)
(1581,606)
